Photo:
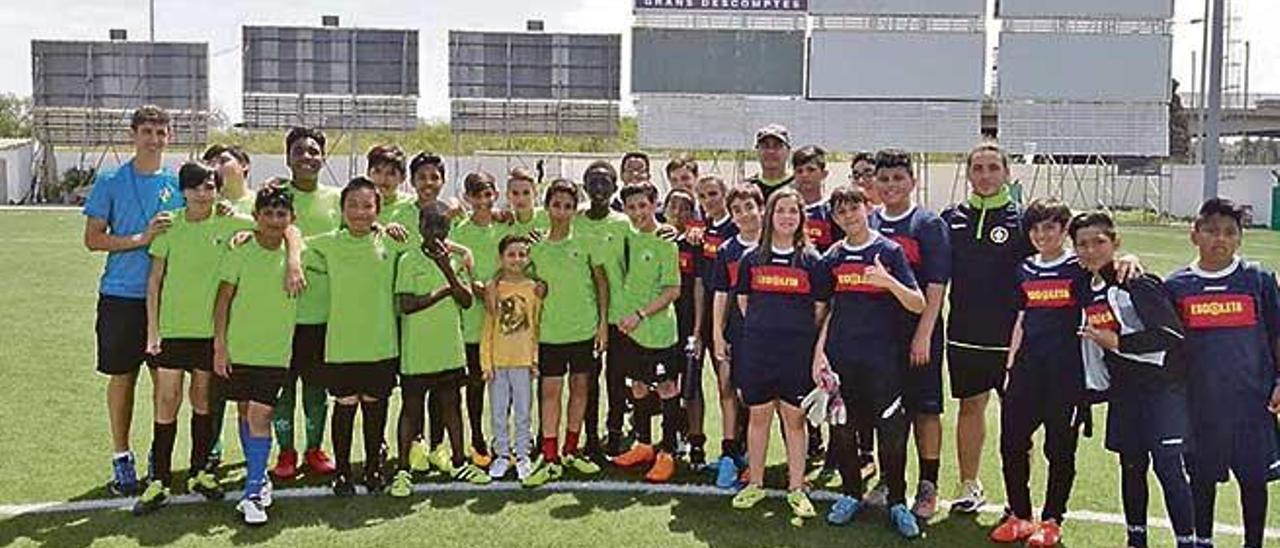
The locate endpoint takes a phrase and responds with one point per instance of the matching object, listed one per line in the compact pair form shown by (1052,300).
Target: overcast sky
(218,22)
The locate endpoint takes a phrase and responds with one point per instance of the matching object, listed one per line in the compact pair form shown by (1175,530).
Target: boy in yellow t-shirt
(509,352)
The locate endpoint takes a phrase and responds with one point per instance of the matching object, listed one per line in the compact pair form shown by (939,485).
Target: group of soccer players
(793,294)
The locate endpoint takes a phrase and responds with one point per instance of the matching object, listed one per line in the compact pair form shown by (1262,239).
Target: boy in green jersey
(649,348)
(430,298)
(522,196)
(572,335)
(479,233)
(360,349)
(385,165)
(180,292)
(232,162)
(606,230)
(253,326)
(316,211)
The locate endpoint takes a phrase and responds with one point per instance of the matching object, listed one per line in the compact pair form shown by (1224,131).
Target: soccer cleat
(971,498)
(1048,533)
(1013,529)
(726,473)
(879,496)
(255,513)
(594,452)
(124,477)
(904,522)
(524,468)
(402,484)
(439,458)
(472,474)
(418,458)
(480,459)
(286,465)
(580,465)
(542,473)
(318,462)
(748,497)
(374,480)
(153,498)
(800,504)
(664,466)
(926,504)
(697,457)
(639,454)
(844,510)
(499,467)
(206,485)
(343,486)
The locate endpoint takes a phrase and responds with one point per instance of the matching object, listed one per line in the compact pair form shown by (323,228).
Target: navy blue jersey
(862,313)
(723,278)
(782,292)
(1231,319)
(1051,309)
(986,247)
(820,227)
(690,264)
(924,239)
(1141,312)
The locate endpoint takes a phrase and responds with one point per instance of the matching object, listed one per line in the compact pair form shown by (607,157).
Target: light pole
(1214,115)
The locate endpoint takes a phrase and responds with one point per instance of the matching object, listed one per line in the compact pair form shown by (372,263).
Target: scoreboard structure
(330,77)
(84,92)
(534,83)
(1087,77)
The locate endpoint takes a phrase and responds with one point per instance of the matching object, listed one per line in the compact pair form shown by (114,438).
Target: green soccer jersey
(569,311)
(483,243)
(243,206)
(192,251)
(653,265)
(398,210)
(318,211)
(361,271)
(260,329)
(539,222)
(607,239)
(430,339)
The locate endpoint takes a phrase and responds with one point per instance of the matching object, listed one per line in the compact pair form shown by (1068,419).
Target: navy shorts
(1151,419)
(121,329)
(769,369)
(1239,437)
(922,385)
(871,380)
(184,354)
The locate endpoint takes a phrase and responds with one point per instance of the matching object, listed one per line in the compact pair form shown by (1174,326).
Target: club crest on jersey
(819,231)
(1048,293)
(1099,316)
(165,194)
(852,278)
(999,235)
(779,279)
(1218,310)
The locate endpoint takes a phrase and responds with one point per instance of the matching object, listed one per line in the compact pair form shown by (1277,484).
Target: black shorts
(557,360)
(419,385)
(307,359)
(475,374)
(922,386)
(650,366)
(773,369)
(374,379)
(973,371)
(254,384)
(122,334)
(184,354)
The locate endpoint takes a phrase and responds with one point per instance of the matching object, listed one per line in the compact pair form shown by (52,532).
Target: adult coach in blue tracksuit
(126,209)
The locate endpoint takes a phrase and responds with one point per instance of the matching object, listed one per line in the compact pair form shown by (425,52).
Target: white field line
(616,487)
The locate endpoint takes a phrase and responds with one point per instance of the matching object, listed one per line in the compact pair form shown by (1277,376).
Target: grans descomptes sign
(724,5)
